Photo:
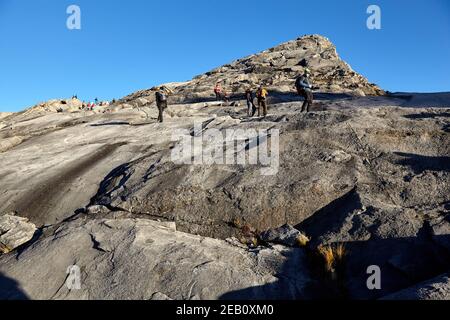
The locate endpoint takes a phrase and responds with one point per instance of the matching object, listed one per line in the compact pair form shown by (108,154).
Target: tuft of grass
(236,222)
(326,252)
(332,256)
(302,240)
(340,252)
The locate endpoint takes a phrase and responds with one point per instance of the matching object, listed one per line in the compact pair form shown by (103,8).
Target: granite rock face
(14,232)
(276,68)
(108,193)
(146,260)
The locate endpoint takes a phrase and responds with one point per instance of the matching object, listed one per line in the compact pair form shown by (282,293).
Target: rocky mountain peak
(277,68)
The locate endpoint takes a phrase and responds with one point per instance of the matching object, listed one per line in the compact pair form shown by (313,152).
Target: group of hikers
(89,106)
(302,85)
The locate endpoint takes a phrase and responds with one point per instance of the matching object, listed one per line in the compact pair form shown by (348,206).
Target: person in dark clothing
(225,97)
(218,91)
(304,89)
(251,108)
(161,102)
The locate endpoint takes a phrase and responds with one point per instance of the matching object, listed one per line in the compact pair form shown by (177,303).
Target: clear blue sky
(125,46)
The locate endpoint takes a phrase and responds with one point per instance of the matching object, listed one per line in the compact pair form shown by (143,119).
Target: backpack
(298,82)
(261,93)
(160,96)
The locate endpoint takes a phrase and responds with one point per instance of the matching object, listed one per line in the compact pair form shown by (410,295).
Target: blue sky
(125,46)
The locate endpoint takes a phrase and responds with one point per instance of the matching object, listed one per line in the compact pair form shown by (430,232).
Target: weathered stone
(97,209)
(286,235)
(14,232)
(142,259)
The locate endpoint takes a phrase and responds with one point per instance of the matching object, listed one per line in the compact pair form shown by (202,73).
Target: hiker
(304,89)
(251,109)
(261,95)
(161,101)
(225,97)
(218,91)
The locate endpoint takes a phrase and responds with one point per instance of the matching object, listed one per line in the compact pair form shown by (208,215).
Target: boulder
(286,235)
(8,143)
(14,232)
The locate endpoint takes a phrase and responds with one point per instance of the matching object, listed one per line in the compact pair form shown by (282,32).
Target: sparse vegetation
(303,240)
(248,235)
(236,223)
(332,256)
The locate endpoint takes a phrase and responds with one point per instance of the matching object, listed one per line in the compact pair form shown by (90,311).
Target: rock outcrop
(14,232)
(276,68)
(68,105)
(142,259)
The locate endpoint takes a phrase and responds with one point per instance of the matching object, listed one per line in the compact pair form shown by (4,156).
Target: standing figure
(304,89)
(161,101)
(251,108)
(218,91)
(261,94)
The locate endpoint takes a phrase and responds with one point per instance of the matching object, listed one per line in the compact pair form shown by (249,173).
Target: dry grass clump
(332,256)
(302,240)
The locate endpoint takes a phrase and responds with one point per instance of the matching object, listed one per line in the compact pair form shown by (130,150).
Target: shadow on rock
(427,115)
(331,216)
(404,261)
(419,163)
(446,128)
(117,123)
(292,279)
(10,289)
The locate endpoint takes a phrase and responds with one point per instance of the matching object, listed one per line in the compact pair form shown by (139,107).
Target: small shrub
(303,240)
(333,256)
(236,223)
(340,252)
(327,254)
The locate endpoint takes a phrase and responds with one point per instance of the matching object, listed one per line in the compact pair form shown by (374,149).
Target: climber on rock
(251,108)
(304,89)
(161,101)
(261,95)
(218,91)
(225,97)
